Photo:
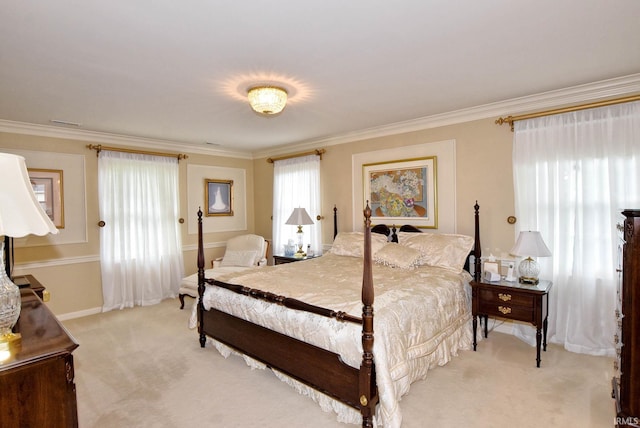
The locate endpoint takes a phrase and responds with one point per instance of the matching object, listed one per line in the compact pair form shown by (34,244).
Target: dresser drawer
(520,313)
(506,297)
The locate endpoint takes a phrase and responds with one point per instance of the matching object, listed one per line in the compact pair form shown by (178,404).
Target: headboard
(390,233)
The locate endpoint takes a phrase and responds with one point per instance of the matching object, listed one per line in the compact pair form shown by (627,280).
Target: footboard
(318,368)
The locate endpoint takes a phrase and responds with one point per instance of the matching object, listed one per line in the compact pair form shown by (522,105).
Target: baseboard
(79,314)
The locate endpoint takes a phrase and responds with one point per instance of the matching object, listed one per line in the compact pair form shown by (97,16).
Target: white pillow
(239,258)
(448,251)
(398,256)
(351,244)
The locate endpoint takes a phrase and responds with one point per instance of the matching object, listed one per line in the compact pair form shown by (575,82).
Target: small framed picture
(48,188)
(218,197)
(505,265)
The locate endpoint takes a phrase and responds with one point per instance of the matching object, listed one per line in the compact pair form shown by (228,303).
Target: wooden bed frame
(313,366)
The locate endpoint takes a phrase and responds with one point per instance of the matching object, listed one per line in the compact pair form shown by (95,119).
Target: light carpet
(143,367)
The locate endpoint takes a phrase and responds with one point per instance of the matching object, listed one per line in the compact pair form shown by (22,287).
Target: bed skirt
(443,347)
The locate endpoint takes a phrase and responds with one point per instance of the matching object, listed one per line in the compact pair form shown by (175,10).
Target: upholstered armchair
(243,252)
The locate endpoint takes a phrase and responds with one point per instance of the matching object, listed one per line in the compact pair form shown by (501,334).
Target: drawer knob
(504,297)
(504,310)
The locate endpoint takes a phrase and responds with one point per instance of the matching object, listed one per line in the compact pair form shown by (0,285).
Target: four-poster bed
(332,351)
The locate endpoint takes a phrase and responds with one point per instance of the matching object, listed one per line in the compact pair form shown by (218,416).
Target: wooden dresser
(626,383)
(37,386)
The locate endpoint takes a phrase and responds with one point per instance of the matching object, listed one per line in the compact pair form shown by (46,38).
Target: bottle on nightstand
(510,276)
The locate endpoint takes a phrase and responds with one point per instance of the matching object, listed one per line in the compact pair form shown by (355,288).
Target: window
(296,184)
(573,174)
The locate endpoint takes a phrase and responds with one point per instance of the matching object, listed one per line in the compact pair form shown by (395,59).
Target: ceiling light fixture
(267,100)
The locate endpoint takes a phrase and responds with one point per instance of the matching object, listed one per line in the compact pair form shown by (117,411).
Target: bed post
(335,221)
(203,337)
(477,251)
(367,391)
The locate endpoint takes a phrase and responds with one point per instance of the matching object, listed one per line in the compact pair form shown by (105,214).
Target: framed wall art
(48,187)
(218,197)
(402,191)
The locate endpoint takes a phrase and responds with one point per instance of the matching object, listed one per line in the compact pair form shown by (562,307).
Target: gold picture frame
(402,191)
(218,197)
(48,187)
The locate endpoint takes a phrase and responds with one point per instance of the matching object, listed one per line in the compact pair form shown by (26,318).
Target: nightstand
(514,301)
(279,260)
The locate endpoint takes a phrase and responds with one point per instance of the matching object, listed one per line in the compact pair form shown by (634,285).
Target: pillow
(403,236)
(351,244)
(448,251)
(239,258)
(398,256)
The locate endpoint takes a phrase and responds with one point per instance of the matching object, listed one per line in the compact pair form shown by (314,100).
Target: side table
(514,301)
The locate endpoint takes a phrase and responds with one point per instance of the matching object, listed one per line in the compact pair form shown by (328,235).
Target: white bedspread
(421,319)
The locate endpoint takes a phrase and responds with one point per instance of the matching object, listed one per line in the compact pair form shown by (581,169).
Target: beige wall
(483,173)
(71,272)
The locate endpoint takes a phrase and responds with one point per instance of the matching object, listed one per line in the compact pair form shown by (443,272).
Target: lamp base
(13,340)
(10,346)
(528,280)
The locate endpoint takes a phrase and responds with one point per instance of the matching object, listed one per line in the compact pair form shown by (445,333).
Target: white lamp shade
(20,212)
(299,217)
(530,244)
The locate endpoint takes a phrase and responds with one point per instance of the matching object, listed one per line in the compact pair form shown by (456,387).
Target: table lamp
(20,215)
(299,217)
(529,244)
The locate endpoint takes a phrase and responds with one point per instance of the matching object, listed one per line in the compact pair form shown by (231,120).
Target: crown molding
(590,92)
(116,139)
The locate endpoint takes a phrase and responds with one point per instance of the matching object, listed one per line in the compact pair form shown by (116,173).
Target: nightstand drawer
(506,297)
(520,313)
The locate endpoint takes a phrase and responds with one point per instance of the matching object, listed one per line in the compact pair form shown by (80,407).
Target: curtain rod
(511,119)
(317,152)
(99,147)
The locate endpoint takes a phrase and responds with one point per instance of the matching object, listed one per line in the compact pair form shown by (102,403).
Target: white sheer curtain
(573,174)
(296,183)
(140,248)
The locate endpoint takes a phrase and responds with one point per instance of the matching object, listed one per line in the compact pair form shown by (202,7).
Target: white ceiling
(178,71)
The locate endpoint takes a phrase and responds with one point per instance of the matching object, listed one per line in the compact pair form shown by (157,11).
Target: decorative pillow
(239,258)
(351,244)
(398,256)
(403,236)
(448,251)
